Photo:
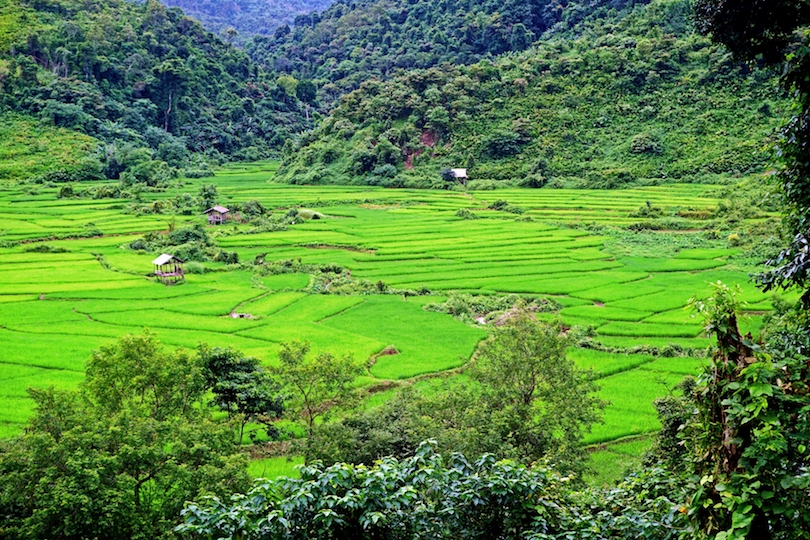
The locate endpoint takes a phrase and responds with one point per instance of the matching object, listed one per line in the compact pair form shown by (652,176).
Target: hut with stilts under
(169,269)
(217,215)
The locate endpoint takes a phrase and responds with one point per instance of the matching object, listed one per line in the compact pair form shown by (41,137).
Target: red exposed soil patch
(389,351)
(599,304)
(429,138)
(410,157)
(382,387)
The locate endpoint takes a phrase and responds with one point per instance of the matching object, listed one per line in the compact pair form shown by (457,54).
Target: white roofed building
(169,269)
(461,175)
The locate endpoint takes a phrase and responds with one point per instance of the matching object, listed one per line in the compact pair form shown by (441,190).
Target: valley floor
(83,290)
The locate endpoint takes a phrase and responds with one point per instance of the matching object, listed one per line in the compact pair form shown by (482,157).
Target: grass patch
(275,467)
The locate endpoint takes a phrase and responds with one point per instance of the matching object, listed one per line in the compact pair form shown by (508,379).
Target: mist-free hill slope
(138,73)
(28,148)
(636,96)
(357,39)
(247,17)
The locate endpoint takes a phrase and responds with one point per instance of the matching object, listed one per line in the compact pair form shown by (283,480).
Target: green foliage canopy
(776,34)
(118,459)
(427,496)
(317,386)
(526,401)
(144,74)
(620,97)
(242,388)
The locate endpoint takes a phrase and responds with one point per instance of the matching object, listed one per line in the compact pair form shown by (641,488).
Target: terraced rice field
(57,307)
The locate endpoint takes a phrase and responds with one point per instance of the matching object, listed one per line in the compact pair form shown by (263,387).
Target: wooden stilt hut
(217,215)
(169,269)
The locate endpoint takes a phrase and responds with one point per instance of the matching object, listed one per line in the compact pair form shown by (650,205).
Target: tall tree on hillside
(746,434)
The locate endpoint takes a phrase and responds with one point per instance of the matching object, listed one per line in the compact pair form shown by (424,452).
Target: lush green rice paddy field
(55,308)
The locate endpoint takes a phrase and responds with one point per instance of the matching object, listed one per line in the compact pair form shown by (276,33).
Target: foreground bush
(425,496)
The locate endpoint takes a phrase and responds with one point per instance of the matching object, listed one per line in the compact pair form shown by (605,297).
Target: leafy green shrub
(227,257)
(150,173)
(502,143)
(428,496)
(330,155)
(421,496)
(464,213)
(184,204)
(194,267)
(381,173)
(484,185)
(471,308)
(87,169)
(46,248)
(251,208)
(609,179)
(735,210)
(140,244)
(667,224)
(647,211)
(185,235)
(106,191)
(66,192)
(504,206)
(189,252)
(534,181)
(362,160)
(198,173)
(645,143)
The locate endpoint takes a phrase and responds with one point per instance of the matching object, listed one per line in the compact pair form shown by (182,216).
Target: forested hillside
(140,75)
(247,17)
(354,40)
(623,97)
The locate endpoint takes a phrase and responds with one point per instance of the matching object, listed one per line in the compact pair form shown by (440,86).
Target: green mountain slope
(28,148)
(623,97)
(354,40)
(247,17)
(141,74)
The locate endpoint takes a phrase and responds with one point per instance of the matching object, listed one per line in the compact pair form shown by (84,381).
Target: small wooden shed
(217,215)
(169,269)
(461,175)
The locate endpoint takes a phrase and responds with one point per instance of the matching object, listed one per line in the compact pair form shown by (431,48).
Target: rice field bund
(71,281)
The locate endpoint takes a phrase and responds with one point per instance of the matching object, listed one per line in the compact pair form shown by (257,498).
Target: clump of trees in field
(140,437)
(118,458)
(525,401)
